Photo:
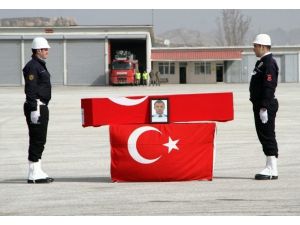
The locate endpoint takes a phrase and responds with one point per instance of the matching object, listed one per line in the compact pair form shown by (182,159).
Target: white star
(171,144)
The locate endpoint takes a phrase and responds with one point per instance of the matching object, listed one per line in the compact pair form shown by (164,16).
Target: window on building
(166,68)
(197,68)
(208,68)
(172,68)
(202,68)
(161,68)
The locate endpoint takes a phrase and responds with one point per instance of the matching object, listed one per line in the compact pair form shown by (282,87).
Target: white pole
(148,54)
(65,62)
(298,67)
(106,61)
(22,61)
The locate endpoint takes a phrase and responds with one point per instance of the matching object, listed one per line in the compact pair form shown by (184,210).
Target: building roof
(77,32)
(195,54)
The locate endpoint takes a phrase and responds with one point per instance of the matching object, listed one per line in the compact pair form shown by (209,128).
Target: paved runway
(79,160)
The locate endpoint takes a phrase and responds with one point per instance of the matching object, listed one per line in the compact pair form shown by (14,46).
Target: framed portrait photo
(159,110)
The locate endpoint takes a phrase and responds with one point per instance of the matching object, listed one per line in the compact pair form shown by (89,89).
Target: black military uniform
(262,94)
(37,86)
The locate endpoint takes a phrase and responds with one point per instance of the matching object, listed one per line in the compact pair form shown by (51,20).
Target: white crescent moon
(132,149)
(127,101)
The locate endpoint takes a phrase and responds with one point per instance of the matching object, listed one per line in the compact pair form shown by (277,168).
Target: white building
(81,55)
(220,64)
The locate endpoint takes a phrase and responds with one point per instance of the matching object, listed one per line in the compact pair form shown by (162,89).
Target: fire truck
(123,68)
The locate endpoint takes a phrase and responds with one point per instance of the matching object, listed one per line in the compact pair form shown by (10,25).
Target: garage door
(85,62)
(280,72)
(54,63)
(10,62)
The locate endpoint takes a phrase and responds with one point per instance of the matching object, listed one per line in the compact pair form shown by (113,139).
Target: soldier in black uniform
(38,95)
(265,106)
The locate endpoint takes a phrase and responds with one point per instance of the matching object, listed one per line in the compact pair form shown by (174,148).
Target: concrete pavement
(79,160)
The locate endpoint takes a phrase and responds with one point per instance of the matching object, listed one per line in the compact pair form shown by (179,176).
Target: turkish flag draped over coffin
(162,152)
(136,110)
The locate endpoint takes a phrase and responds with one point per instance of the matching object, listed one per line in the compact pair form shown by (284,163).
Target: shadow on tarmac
(97,180)
(234,178)
(65,180)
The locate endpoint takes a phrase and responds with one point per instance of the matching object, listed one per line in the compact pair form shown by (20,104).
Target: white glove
(263,114)
(34,116)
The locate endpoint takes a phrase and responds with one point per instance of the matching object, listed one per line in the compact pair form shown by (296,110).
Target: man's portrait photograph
(159,111)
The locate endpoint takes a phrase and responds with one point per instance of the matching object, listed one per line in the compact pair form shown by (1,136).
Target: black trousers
(37,132)
(266,132)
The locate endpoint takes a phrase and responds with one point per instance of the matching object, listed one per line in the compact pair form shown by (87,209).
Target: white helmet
(262,39)
(39,43)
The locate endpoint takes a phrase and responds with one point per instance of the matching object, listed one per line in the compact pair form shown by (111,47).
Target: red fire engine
(123,68)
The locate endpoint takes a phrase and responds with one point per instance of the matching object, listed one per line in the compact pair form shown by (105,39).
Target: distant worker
(145,78)
(152,78)
(157,82)
(265,106)
(137,78)
(38,95)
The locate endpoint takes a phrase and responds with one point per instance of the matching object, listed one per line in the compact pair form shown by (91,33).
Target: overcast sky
(165,19)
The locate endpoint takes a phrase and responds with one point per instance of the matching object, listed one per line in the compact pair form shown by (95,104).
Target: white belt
(39,102)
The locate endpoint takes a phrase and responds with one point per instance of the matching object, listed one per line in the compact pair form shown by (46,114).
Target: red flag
(136,110)
(162,152)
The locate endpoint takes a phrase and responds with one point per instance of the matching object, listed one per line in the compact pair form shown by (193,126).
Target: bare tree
(232,28)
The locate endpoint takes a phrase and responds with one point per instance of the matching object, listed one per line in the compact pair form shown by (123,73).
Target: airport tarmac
(79,160)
